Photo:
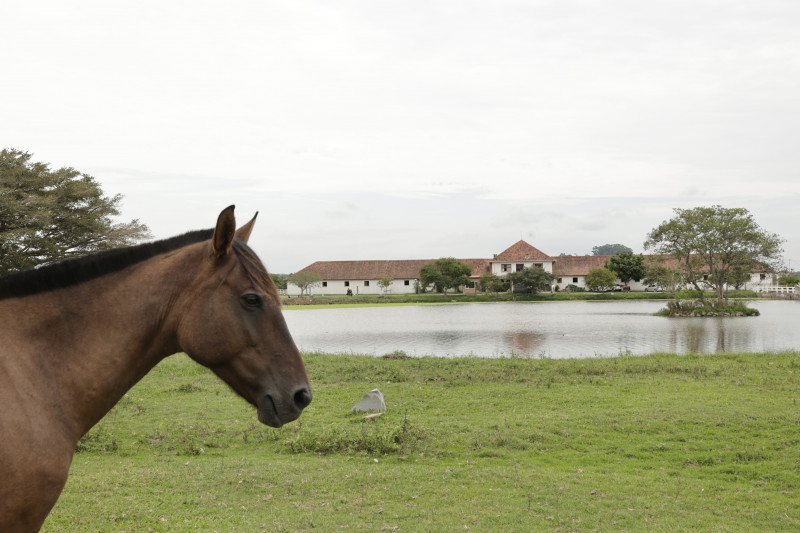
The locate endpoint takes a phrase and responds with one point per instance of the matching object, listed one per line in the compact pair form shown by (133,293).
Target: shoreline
(331,302)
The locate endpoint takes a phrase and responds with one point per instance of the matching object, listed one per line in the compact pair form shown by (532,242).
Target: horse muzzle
(275,412)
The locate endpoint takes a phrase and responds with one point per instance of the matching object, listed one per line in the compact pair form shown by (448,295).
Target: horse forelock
(255,270)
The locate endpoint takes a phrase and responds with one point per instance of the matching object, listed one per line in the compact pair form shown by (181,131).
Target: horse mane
(79,270)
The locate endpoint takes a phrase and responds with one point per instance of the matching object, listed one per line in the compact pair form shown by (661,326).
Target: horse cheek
(206,338)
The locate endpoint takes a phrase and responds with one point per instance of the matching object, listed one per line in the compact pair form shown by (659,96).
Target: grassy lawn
(652,443)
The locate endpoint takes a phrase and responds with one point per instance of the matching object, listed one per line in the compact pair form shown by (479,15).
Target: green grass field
(651,443)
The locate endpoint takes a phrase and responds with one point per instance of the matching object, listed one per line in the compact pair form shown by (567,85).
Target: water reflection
(524,342)
(557,329)
(695,335)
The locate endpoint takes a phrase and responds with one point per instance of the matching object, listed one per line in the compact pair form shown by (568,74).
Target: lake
(541,329)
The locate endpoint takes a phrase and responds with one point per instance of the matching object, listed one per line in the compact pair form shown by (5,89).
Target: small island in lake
(706,308)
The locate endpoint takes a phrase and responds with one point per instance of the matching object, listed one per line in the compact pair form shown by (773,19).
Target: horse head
(231,322)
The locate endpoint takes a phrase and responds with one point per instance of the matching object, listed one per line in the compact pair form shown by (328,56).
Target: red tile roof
(522,251)
(395,269)
(479,266)
(578,265)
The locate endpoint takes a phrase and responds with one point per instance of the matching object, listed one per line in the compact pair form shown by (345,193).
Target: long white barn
(362,277)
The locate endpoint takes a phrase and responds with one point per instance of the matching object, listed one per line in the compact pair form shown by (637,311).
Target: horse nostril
(302,398)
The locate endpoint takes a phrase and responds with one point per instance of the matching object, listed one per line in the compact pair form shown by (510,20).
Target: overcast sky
(410,130)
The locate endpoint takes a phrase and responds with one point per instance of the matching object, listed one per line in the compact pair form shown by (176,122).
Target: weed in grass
(99,439)
(376,436)
(182,440)
(397,354)
(189,388)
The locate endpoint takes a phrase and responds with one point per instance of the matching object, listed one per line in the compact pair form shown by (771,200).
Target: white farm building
(362,277)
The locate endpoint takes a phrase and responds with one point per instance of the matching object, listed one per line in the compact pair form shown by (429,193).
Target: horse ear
(243,233)
(224,232)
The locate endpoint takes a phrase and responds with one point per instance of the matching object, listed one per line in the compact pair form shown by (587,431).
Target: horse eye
(252,300)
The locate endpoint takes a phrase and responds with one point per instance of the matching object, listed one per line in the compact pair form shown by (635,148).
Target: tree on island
(715,242)
(601,280)
(739,276)
(532,279)
(47,216)
(627,266)
(610,249)
(445,273)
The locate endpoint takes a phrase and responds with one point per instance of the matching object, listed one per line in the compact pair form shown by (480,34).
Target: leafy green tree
(430,275)
(280,280)
(601,279)
(384,283)
(445,273)
(788,281)
(532,279)
(627,266)
(715,240)
(610,249)
(667,278)
(48,215)
(489,282)
(305,280)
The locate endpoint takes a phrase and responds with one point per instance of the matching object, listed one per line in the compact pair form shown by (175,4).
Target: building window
(520,266)
(346,283)
(366,283)
(324,283)
(505,267)
(763,277)
(574,280)
(538,265)
(559,280)
(406,283)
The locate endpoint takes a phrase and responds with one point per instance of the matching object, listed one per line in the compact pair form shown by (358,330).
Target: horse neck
(91,343)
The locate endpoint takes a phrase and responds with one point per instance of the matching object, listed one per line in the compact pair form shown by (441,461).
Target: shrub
(371,437)
(600,279)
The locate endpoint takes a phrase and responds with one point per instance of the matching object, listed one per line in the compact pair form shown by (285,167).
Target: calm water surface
(551,329)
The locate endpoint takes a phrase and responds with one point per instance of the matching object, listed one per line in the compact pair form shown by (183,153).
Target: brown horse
(74,337)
